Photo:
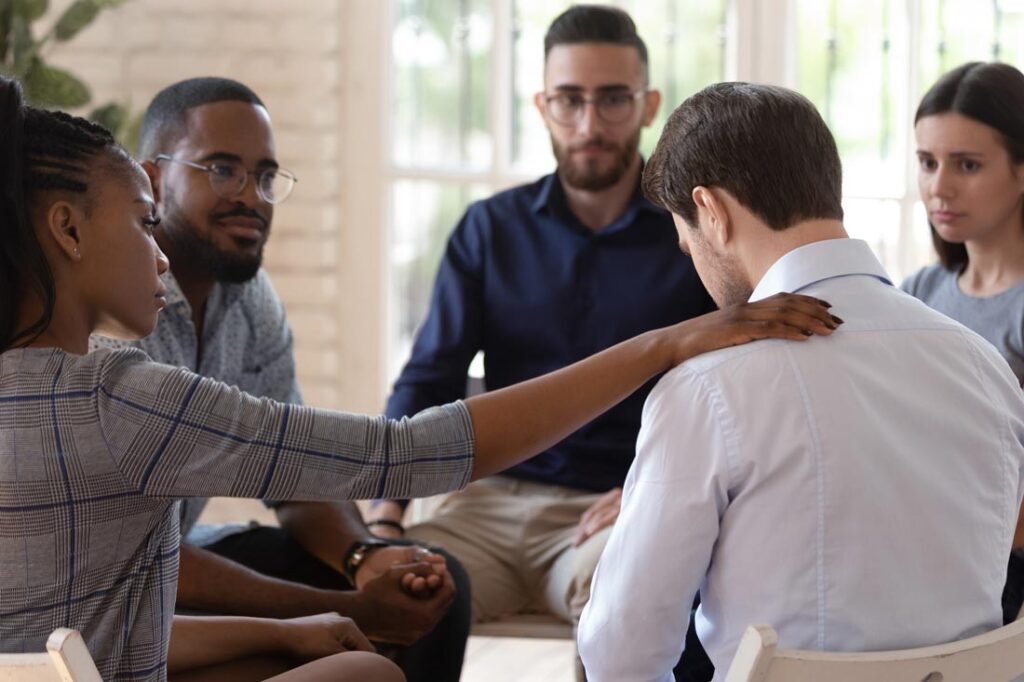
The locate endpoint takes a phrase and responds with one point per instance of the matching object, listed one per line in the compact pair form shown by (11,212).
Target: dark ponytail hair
(39,151)
(991,93)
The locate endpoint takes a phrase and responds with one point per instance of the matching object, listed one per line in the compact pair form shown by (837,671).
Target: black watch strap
(356,554)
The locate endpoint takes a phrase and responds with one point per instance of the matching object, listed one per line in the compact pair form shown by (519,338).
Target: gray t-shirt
(999,319)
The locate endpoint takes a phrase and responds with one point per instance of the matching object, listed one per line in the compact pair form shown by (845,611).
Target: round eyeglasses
(566,108)
(228,179)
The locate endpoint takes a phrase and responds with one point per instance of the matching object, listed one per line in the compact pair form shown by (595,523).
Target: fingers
(787,316)
(351,637)
(595,524)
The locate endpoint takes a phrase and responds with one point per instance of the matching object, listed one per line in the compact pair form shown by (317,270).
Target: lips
(161,299)
(945,216)
(242,227)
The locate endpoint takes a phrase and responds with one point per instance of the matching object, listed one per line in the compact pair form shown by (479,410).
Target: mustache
(240,212)
(599,141)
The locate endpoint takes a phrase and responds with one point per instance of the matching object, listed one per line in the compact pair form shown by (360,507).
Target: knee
(355,666)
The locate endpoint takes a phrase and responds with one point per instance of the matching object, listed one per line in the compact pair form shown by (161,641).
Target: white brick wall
(293,54)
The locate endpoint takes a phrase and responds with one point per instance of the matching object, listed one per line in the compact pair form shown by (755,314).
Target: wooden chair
(66,660)
(995,656)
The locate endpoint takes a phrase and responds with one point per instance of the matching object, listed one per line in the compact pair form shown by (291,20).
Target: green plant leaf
(76,17)
(47,86)
(111,116)
(23,47)
(128,136)
(30,10)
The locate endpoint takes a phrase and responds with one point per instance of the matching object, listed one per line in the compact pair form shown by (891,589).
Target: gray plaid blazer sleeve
(175,434)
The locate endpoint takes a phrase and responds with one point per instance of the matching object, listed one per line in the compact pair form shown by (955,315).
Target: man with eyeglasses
(208,147)
(538,277)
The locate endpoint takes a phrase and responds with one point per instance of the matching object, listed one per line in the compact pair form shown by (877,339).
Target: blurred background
(397,113)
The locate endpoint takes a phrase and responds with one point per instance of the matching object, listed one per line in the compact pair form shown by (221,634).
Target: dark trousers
(694,665)
(1013,592)
(436,657)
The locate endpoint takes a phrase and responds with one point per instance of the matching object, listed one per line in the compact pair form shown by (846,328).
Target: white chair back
(995,656)
(66,660)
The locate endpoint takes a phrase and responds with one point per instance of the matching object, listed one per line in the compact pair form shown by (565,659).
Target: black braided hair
(40,151)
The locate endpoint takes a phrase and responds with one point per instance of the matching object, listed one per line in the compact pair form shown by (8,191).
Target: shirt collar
(816,262)
(174,293)
(551,198)
(175,297)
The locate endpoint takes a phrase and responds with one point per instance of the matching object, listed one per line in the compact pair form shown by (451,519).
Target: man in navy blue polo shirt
(538,277)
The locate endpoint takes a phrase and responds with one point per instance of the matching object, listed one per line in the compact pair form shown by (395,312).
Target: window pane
(878,223)
(441,61)
(686,49)
(424,213)
(851,62)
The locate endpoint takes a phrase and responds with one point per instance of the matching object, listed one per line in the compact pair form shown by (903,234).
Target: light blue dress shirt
(858,492)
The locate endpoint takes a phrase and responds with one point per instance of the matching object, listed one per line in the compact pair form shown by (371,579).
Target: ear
(153,171)
(716,225)
(652,102)
(63,223)
(541,103)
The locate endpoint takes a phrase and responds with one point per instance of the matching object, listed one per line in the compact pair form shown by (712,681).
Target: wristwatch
(356,555)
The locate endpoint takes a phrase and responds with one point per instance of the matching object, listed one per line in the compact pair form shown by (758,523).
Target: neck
(195,284)
(996,263)
(598,209)
(770,245)
(69,327)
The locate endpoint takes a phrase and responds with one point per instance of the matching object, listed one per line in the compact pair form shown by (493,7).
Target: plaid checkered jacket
(96,449)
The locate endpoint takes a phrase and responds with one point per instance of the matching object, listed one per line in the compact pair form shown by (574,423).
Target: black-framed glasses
(228,178)
(566,108)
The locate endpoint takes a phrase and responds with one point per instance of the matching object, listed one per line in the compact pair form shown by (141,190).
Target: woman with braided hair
(95,448)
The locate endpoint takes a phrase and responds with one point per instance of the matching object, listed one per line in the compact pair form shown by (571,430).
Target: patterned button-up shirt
(95,450)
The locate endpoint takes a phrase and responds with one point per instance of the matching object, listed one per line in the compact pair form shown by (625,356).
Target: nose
(588,121)
(162,264)
(942,184)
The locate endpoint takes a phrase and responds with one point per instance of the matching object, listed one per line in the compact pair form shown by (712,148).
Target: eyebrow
(955,155)
(616,87)
(225,156)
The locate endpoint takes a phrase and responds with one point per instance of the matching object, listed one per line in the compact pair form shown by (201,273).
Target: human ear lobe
(62,225)
(719,226)
(652,101)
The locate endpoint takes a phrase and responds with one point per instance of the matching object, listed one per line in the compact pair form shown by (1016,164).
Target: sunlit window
(463,75)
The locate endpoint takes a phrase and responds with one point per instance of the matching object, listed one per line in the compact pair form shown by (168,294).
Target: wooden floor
(488,659)
(504,659)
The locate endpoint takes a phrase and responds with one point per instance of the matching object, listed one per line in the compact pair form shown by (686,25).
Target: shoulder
(926,280)
(505,205)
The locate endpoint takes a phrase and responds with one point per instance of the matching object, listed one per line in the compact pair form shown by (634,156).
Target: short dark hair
(164,121)
(765,145)
(991,93)
(40,151)
(594,24)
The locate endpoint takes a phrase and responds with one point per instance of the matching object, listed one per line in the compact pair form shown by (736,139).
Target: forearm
(210,583)
(324,529)
(519,421)
(199,641)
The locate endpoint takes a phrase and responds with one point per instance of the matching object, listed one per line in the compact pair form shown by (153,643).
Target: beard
(586,174)
(722,276)
(202,253)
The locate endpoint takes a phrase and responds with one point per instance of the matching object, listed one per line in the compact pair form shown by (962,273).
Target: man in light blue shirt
(855,493)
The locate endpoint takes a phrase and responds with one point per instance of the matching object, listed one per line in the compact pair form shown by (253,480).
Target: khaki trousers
(514,538)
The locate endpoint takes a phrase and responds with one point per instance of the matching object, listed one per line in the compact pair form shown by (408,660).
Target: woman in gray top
(970,149)
(95,449)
